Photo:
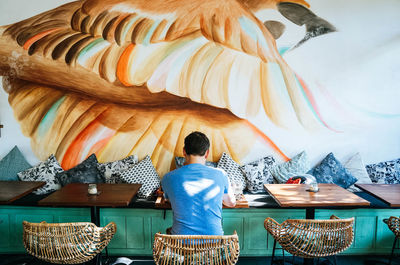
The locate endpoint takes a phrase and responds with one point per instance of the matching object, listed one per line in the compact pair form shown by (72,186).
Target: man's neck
(191,159)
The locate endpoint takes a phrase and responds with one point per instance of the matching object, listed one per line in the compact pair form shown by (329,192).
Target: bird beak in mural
(301,15)
(275,27)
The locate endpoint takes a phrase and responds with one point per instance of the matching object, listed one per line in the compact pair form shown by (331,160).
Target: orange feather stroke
(75,151)
(267,140)
(123,65)
(39,36)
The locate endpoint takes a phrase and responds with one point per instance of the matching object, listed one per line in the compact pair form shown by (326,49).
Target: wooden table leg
(310,213)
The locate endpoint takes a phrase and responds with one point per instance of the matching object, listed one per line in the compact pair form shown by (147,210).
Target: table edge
(377,196)
(39,185)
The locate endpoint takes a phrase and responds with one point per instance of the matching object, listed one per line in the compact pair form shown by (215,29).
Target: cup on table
(92,189)
(314,187)
(237,190)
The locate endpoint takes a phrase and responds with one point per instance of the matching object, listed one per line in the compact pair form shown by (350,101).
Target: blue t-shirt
(195,192)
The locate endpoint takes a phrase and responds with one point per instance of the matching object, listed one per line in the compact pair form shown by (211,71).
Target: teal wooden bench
(136,226)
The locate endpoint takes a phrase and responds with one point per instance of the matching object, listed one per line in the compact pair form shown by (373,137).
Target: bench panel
(136,227)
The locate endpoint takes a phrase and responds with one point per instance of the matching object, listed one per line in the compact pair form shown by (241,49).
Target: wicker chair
(394,225)
(197,249)
(66,243)
(312,238)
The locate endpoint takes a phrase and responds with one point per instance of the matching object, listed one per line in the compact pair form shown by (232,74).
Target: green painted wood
(4,230)
(136,227)
(371,235)
(11,231)
(119,240)
(136,234)
(137,231)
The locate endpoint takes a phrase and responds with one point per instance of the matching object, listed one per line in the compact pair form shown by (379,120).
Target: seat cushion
(258,173)
(13,163)
(85,172)
(356,167)
(298,165)
(330,170)
(112,170)
(143,173)
(233,171)
(387,172)
(45,171)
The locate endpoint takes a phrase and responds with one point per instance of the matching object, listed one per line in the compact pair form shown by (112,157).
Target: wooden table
(14,190)
(329,195)
(109,195)
(389,193)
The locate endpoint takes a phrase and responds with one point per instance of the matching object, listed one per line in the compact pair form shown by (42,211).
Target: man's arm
(229,199)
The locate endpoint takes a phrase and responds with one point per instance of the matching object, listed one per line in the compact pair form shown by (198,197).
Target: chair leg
(283,256)
(394,246)
(273,253)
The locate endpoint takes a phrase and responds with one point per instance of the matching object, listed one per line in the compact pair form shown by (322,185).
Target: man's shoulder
(173,173)
(217,170)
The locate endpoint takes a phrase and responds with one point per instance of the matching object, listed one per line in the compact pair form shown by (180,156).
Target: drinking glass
(237,190)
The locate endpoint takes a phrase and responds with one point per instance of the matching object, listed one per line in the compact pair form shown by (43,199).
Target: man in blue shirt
(196,192)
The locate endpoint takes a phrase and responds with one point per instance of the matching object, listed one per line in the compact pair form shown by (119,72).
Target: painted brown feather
(74,50)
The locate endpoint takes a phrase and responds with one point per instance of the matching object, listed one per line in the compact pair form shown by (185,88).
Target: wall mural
(122,77)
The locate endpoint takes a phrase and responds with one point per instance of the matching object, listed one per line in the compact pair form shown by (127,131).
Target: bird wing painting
(122,77)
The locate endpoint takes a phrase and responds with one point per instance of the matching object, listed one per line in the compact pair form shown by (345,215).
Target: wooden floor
(341,260)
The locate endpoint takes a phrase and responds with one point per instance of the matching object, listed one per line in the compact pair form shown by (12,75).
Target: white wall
(12,11)
(357,67)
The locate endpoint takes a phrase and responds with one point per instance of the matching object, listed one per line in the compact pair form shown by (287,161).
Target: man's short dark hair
(197,144)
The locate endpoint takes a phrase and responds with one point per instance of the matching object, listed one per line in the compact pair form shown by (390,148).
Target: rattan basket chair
(312,238)
(197,249)
(394,225)
(66,243)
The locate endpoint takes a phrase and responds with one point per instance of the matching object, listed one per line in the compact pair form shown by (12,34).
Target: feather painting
(122,77)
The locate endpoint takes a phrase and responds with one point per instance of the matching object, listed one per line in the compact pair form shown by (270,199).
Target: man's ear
(207,153)
(184,152)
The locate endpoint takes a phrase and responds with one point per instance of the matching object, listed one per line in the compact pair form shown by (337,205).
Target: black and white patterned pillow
(387,172)
(143,173)
(44,171)
(232,169)
(180,161)
(112,170)
(258,173)
(85,172)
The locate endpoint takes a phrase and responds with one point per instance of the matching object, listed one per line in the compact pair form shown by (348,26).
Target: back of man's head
(197,144)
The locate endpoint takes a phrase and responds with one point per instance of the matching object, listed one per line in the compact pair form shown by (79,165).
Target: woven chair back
(394,225)
(66,243)
(312,238)
(197,249)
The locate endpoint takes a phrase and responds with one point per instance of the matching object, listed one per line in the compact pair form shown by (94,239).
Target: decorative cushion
(258,173)
(330,170)
(232,169)
(298,165)
(11,164)
(356,167)
(143,173)
(387,172)
(180,161)
(44,171)
(85,172)
(112,170)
